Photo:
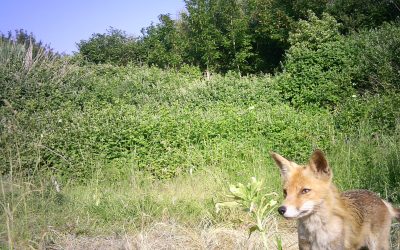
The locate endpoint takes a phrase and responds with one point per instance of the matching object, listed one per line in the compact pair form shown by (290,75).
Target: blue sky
(63,23)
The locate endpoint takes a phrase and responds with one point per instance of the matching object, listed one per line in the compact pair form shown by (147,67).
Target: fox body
(328,219)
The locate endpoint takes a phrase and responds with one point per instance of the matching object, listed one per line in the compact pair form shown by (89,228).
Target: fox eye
(305,190)
(284,193)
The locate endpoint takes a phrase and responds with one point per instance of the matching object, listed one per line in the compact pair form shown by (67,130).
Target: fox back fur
(328,219)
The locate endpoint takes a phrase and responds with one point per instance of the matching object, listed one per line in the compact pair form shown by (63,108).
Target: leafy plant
(259,205)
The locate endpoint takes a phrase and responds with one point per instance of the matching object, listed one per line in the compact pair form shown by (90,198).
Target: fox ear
(282,163)
(319,165)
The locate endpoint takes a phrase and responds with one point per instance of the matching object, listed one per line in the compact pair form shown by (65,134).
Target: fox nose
(282,210)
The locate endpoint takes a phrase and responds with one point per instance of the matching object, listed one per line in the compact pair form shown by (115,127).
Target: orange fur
(328,219)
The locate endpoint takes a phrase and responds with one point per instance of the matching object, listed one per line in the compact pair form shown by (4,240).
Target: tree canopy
(247,36)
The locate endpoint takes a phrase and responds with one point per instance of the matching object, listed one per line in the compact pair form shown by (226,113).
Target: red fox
(328,219)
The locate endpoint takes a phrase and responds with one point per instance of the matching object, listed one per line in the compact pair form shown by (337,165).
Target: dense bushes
(113,47)
(323,68)
(122,119)
(75,121)
(161,140)
(378,59)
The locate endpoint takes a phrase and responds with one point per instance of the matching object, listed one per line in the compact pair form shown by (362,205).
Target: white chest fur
(321,232)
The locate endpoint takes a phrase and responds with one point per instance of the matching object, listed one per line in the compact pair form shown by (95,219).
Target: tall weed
(368,161)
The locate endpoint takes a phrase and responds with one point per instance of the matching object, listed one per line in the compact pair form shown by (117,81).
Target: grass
(368,161)
(34,211)
(41,217)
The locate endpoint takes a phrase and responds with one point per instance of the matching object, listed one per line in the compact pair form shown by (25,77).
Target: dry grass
(170,235)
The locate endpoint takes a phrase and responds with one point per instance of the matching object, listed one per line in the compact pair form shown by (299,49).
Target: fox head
(305,187)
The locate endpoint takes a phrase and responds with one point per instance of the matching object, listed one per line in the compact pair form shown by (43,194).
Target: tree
(235,47)
(247,36)
(163,44)
(355,14)
(219,34)
(115,47)
(270,22)
(202,33)
(319,65)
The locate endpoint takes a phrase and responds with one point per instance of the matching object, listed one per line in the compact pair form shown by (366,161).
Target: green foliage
(246,36)
(269,24)
(323,68)
(237,52)
(160,140)
(378,59)
(301,8)
(80,119)
(202,33)
(376,112)
(318,65)
(250,198)
(163,44)
(314,32)
(355,15)
(115,47)
(26,76)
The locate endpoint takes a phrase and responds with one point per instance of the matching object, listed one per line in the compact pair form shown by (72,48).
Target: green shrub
(114,47)
(162,140)
(378,59)
(34,88)
(323,68)
(318,65)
